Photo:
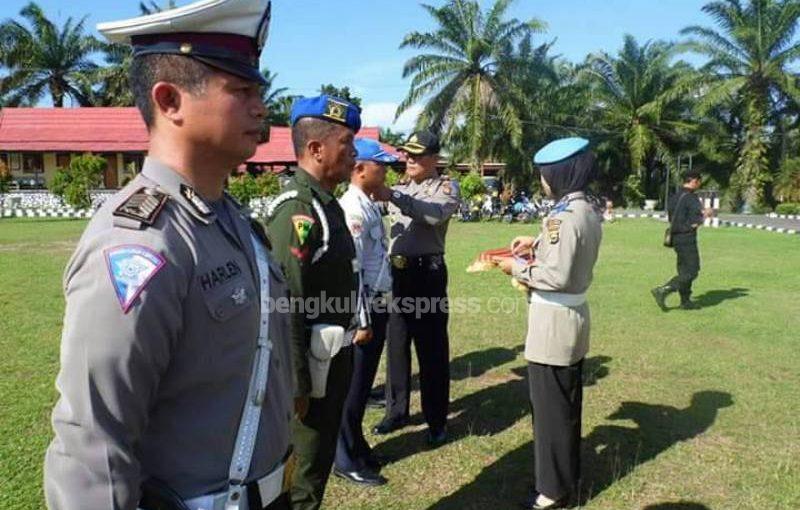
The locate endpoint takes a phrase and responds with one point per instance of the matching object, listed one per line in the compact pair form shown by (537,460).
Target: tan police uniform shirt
(153,385)
(420,214)
(565,254)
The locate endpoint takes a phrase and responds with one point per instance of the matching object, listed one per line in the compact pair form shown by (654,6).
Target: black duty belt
(428,262)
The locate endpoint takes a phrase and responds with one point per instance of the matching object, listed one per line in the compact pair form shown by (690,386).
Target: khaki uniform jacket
(154,385)
(319,258)
(565,254)
(420,214)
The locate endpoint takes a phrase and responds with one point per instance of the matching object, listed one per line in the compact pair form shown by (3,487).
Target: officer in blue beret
(557,278)
(354,458)
(175,383)
(307,227)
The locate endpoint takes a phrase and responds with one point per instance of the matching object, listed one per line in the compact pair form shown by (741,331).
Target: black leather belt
(429,262)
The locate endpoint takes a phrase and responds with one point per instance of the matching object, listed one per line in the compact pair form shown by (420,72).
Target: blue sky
(355,43)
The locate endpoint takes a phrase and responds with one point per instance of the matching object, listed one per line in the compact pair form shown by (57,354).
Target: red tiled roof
(113,130)
(72,129)
(279,149)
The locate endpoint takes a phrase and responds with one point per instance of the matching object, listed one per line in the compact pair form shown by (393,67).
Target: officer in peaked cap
(420,210)
(558,317)
(308,229)
(175,383)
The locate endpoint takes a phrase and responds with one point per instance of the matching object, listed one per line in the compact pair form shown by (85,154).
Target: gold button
(186,48)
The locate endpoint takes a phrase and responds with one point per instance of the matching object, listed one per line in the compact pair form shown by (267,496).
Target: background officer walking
(686,216)
(354,459)
(420,212)
(172,371)
(558,318)
(311,239)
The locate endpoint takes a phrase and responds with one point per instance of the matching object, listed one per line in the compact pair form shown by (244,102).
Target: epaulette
(142,206)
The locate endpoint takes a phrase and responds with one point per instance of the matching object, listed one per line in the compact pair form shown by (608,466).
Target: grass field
(683,410)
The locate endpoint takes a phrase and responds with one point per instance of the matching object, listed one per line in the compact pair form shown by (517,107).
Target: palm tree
(43,59)
(750,59)
(638,97)
(152,7)
(114,87)
(462,75)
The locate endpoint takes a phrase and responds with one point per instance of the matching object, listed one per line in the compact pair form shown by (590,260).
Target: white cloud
(382,114)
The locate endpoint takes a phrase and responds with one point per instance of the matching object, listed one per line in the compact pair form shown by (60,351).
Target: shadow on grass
(680,505)
(472,364)
(610,453)
(715,297)
(486,412)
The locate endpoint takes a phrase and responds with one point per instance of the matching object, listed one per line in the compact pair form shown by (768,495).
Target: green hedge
(788,208)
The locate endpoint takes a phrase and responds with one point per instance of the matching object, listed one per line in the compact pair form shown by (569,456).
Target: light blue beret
(559,150)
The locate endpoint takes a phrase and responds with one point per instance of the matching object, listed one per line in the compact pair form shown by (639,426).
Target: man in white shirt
(354,459)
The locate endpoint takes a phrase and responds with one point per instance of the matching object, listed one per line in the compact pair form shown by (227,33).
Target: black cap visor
(240,69)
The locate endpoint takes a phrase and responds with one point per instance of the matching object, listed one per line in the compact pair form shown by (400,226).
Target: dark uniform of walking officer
(175,384)
(686,216)
(311,239)
(558,318)
(420,212)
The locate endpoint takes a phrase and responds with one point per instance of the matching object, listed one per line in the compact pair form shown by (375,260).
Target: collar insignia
(194,199)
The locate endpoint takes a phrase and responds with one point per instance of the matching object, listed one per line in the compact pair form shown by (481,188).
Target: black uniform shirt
(685,211)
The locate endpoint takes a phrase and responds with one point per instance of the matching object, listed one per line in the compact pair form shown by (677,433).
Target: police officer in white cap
(175,383)
(558,319)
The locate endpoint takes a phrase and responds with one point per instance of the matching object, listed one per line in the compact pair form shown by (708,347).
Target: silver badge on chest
(239,296)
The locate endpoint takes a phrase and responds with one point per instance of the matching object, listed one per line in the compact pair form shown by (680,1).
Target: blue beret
(370,150)
(559,150)
(332,109)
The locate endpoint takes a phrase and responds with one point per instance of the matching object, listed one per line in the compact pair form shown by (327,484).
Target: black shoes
(387,426)
(689,305)
(437,437)
(366,477)
(660,295)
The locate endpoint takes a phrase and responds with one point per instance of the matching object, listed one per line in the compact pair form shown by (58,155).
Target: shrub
(471,186)
(5,177)
(788,208)
(392,177)
(246,187)
(74,183)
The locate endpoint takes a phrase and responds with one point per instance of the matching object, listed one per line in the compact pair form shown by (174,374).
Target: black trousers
(688,266)
(556,398)
(422,319)
(352,450)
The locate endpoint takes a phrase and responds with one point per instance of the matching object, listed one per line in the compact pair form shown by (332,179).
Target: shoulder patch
(302,226)
(143,206)
(553,228)
(131,267)
(355,222)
